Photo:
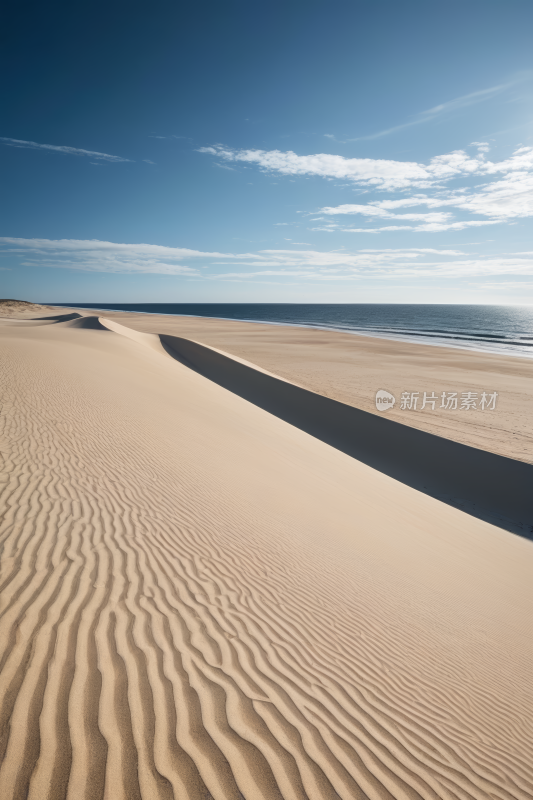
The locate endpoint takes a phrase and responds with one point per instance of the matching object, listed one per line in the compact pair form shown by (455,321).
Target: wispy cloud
(323,266)
(96,256)
(365,171)
(428,227)
(506,285)
(448,107)
(372,210)
(72,151)
(378,173)
(382,266)
(440,110)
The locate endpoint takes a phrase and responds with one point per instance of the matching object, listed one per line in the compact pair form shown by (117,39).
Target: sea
(507,330)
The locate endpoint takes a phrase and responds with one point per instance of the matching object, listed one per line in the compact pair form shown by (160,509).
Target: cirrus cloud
(320,265)
(93,255)
(71,151)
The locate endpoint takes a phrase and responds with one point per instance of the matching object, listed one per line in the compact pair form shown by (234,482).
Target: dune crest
(199,600)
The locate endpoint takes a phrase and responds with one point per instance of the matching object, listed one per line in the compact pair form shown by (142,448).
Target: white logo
(384,400)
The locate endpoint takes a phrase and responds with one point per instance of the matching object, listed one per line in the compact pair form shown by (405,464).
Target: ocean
(498,329)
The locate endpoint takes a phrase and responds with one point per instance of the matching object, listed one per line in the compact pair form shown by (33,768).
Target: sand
(351,369)
(200,600)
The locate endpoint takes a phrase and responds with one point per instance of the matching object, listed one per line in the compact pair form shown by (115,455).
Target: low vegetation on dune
(10,308)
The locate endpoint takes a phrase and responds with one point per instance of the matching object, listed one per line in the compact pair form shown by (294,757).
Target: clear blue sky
(295,151)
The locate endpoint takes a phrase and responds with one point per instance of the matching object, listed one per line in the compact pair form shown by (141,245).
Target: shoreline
(414,338)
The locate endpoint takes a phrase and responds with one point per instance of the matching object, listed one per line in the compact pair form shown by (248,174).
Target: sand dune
(350,369)
(18,308)
(199,600)
(484,484)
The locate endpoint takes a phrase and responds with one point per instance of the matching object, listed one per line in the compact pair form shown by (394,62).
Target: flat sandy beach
(200,600)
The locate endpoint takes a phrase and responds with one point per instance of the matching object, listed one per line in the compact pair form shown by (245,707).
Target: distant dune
(200,600)
(18,308)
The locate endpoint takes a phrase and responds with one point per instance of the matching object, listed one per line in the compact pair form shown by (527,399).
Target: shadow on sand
(488,486)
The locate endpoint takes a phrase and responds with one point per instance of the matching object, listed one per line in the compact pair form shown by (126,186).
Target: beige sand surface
(352,368)
(200,601)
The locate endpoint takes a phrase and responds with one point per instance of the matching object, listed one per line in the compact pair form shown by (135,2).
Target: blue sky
(296,151)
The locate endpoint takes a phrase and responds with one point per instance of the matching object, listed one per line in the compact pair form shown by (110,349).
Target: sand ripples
(160,640)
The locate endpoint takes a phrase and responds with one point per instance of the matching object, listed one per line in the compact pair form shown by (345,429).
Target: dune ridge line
(484,484)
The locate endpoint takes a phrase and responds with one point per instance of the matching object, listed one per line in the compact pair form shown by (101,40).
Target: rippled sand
(199,600)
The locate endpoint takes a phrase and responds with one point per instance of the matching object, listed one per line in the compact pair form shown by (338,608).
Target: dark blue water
(503,329)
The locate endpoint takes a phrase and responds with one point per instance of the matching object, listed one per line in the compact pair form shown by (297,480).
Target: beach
(201,600)
(351,369)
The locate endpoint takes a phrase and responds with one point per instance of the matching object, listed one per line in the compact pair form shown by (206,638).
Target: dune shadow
(88,323)
(71,321)
(491,487)
(35,322)
(58,318)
